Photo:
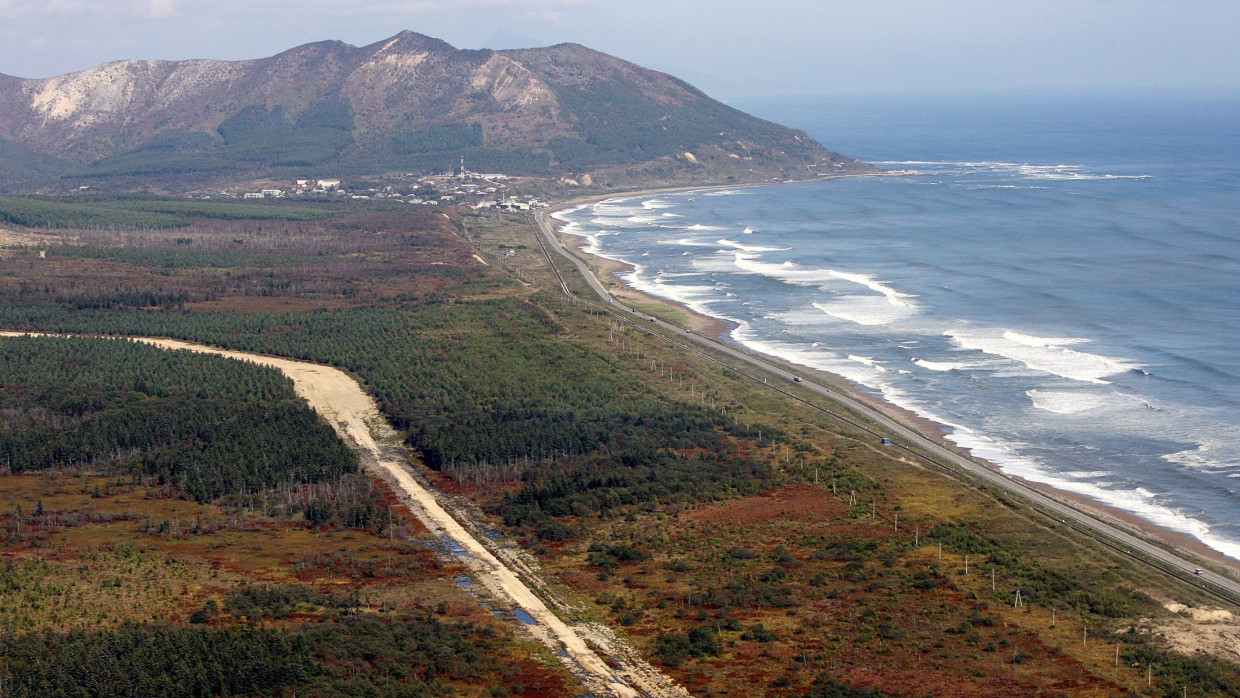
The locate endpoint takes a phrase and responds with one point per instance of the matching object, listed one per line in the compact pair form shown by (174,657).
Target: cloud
(50,9)
(156,9)
(21,9)
(47,10)
(398,7)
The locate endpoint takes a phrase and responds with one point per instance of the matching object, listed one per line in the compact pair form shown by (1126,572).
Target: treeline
(436,138)
(254,136)
(206,425)
(22,166)
(139,212)
(282,600)
(348,655)
(117,298)
(481,385)
(630,479)
(258,136)
(366,159)
(161,661)
(353,501)
(173,258)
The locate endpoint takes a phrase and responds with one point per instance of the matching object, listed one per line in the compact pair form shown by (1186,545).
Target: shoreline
(609,272)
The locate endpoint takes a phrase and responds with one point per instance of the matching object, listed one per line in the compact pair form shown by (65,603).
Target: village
(462,187)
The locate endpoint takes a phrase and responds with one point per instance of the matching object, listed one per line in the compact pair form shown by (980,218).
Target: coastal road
(902,437)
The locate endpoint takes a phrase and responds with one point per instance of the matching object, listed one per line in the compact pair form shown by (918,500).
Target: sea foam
(871,311)
(1045,354)
(686,242)
(749,248)
(793,273)
(944,366)
(1015,170)
(1138,500)
(1066,401)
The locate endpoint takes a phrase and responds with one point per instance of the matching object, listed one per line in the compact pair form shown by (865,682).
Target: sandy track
(352,412)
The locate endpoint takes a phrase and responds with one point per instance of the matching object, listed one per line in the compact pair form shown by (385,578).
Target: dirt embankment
(1212,631)
(13,238)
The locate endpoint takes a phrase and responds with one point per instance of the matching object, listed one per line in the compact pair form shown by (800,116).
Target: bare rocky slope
(408,103)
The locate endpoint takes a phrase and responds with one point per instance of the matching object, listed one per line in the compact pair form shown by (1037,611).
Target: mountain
(409,103)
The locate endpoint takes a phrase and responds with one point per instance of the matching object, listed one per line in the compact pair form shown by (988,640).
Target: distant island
(410,103)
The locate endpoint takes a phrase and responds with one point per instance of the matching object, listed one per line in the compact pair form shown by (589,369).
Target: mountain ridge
(407,103)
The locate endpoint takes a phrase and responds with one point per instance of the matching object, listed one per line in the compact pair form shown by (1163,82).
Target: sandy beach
(611,273)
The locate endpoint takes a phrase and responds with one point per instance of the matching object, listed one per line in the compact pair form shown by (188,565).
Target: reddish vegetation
(361,257)
(97,538)
(268,304)
(800,503)
(854,612)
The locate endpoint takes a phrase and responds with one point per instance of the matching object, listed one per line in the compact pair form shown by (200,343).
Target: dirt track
(352,412)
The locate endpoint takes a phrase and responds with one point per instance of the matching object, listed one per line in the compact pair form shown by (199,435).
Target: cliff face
(410,103)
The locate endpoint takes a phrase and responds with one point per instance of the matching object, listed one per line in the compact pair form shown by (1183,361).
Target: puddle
(454,547)
(493,534)
(462,580)
(524,617)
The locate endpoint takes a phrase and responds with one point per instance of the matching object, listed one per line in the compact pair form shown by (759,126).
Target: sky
(729,48)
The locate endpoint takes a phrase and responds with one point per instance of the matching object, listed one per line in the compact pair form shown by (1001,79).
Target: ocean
(1057,282)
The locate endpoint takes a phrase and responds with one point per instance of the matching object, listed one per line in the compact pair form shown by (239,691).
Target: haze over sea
(1060,283)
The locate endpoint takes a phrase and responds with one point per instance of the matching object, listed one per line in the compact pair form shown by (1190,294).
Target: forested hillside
(409,103)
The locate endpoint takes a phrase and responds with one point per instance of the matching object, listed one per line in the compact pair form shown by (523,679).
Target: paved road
(903,438)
